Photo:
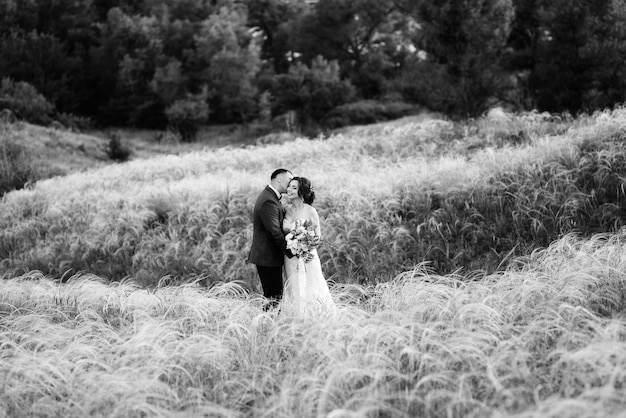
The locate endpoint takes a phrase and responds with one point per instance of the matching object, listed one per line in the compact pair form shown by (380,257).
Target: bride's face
(292,190)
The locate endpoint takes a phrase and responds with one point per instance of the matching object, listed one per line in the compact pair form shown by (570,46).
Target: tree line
(181,63)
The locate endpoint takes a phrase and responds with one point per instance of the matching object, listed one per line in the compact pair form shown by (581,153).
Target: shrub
(25,101)
(186,116)
(310,91)
(265,107)
(116,150)
(16,167)
(73,122)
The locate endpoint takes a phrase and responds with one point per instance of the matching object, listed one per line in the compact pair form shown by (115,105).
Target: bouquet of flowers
(302,239)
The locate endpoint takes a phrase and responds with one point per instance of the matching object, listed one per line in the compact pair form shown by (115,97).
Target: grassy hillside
(465,261)
(543,339)
(453,195)
(54,152)
(61,152)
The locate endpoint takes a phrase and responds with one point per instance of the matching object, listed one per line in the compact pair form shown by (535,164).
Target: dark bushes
(16,167)
(25,102)
(365,112)
(116,150)
(186,116)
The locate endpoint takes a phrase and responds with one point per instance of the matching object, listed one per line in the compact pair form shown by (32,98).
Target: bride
(306,290)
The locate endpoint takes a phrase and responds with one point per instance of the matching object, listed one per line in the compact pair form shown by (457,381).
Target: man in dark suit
(268,239)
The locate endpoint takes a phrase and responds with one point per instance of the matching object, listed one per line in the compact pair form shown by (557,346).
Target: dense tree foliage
(359,34)
(122,62)
(462,43)
(311,91)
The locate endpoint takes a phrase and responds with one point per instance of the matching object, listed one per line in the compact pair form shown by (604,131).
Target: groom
(268,239)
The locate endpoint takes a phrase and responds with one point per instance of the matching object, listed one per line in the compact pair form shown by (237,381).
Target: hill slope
(56,152)
(61,152)
(452,195)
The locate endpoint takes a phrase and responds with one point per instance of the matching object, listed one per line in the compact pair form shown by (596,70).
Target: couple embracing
(289,274)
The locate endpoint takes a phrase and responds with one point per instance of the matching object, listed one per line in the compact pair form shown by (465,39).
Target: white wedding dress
(306,290)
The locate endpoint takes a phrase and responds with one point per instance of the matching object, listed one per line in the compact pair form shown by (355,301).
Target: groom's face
(284,181)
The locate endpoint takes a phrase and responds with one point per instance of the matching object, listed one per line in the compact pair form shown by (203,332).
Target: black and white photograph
(313,208)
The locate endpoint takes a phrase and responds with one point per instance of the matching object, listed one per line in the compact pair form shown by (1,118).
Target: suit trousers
(272,283)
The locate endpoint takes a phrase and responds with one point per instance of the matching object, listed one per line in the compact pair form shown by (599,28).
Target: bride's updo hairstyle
(305,190)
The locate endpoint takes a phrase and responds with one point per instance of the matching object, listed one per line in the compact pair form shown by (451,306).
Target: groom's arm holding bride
(270,217)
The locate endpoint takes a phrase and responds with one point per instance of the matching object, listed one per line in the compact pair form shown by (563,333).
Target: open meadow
(479,269)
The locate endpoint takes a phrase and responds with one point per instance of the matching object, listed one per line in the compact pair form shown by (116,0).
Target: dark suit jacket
(268,239)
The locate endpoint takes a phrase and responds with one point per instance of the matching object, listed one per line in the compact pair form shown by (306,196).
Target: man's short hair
(278,172)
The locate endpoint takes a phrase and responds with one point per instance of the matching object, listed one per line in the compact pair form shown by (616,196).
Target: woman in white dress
(306,290)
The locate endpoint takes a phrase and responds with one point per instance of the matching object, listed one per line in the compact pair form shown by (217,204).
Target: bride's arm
(316,220)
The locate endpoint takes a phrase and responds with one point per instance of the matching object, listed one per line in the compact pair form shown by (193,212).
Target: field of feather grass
(458,196)
(544,338)
(479,270)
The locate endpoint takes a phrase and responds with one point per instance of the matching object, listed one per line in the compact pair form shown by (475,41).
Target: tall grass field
(479,269)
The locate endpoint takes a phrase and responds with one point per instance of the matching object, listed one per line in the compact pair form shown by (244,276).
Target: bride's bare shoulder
(311,212)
